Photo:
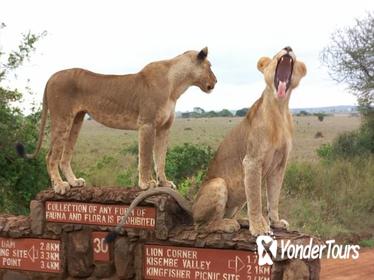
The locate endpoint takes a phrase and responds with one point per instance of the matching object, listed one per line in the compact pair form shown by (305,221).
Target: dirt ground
(360,269)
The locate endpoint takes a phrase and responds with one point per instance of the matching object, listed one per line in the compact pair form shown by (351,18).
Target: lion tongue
(282,89)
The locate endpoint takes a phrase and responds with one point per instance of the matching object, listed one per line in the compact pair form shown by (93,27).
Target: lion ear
(301,68)
(203,54)
(262,63)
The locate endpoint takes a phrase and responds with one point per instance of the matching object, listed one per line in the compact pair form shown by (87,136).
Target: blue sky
(122,36)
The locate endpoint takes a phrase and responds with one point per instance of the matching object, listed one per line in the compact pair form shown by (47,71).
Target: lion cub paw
(77,183)
(259,226)
(61,188)
(281,224)
(148,185)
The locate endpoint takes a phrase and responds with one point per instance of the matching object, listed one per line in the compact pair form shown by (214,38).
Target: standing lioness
(144,101)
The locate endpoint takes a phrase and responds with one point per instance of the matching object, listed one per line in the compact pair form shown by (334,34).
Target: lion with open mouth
(254,153)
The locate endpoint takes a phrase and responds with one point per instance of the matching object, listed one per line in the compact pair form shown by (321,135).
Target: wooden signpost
(169,262)
(42,255)
(64,238)
(98,214)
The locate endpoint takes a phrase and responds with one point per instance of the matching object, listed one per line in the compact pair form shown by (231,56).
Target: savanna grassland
(96,140)
(102,154)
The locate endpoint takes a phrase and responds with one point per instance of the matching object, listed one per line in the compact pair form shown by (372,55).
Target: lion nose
(210,87)
(288,49)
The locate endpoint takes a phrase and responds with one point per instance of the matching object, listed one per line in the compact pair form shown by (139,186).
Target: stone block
(124,258)
(103,270)
(37,217)
(15,275)
(79,254)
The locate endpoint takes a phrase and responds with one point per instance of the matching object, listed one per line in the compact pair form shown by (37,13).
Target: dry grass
(96,140)
(305,144)
(330,199)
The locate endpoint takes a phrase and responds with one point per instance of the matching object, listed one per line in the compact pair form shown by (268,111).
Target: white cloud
(122,36)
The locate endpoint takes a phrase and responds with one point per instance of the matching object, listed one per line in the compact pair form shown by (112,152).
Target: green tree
(19,179)
(350,59)
(211,114)
(224,113)
(241,112)
(303,113)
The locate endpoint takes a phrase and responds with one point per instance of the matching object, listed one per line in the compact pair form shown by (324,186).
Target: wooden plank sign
(42,255)
(168,262)
(98,214)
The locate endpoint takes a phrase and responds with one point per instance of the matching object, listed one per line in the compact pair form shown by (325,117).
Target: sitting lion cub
(144,101)
(255,151)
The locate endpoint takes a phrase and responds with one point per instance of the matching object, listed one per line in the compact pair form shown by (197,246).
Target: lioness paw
(230,225)
(80,182)
(61,188)
(148,185)
(259,226)
(167,183)
(281,224)
(224,225)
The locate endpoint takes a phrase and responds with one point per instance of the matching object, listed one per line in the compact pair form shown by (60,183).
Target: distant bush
(349,144)
(210,114)
(241,112)
(225,113)
(200,113)
(325,151)
(186,161)
(320,116)
(189,187)
(303,113)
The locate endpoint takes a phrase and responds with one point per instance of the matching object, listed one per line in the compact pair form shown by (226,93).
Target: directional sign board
(42,255)
(98,214)
(168,262)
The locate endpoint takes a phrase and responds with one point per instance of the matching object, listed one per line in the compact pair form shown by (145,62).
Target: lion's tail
(21,148)
(162,190)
